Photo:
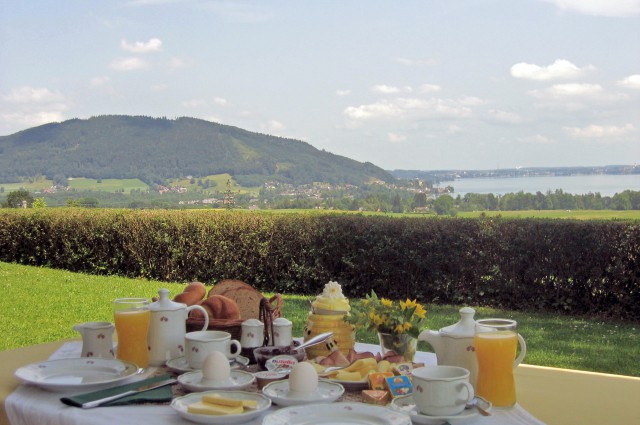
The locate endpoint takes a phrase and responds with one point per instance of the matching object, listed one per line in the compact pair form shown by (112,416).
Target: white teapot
(454,345)
(168,328)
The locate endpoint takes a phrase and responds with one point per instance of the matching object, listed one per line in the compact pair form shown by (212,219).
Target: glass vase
(402,344)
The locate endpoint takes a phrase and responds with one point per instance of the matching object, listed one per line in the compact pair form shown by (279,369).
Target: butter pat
(377,380)
(399,385)
(203,408)
(378,397)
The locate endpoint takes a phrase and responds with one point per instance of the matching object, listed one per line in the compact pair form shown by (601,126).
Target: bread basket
(251,303)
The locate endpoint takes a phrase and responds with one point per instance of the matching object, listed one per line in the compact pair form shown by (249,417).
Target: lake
(605,184)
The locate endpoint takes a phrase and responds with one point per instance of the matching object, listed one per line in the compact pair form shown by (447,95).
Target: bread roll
(219,307)
(192,294)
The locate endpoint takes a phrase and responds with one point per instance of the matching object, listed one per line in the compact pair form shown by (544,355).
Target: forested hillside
(157,149)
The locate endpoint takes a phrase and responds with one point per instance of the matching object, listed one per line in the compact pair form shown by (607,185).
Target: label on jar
(280,363)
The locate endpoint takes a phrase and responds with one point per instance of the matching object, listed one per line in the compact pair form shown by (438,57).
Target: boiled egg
(303,378)
(216,367)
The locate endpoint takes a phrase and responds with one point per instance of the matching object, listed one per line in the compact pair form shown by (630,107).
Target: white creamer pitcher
(97,339)
(168,328)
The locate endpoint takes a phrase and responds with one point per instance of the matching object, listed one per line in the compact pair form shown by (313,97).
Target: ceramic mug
(200,344)
(441,390)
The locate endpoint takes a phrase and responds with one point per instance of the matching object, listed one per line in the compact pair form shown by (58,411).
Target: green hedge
(578,267)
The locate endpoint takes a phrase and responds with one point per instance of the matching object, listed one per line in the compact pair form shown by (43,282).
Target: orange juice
(132,327)
(496,352)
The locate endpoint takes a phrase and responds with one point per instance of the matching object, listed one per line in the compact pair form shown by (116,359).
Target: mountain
(157,149)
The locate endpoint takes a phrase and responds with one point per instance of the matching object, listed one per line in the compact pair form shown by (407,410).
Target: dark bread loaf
(192,294)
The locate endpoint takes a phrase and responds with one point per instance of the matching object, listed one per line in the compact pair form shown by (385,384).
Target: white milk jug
(97,339)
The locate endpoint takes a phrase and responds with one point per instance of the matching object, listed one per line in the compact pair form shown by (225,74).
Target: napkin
(158,395)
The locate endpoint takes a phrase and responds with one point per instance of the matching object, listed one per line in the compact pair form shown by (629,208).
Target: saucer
(407,405)
(278,392)
(238,380)
(181,364)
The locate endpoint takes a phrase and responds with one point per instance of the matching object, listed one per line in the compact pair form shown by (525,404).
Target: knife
(101,401)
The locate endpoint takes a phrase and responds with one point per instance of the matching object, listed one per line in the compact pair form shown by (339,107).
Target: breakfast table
(545,395)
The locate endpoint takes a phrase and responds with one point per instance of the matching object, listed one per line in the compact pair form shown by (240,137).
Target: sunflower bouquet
(388,317)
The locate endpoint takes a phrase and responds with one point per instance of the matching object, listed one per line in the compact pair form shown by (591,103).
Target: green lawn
(107,185)
(40,305)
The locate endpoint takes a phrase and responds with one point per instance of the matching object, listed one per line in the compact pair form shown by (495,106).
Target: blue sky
(423,84)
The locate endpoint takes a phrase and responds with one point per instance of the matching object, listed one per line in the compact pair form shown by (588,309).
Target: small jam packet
(378,397)
(377,380)
(399,385)
(403,369)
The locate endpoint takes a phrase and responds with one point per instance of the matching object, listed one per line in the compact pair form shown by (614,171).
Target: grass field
(218,183)
(108,185)
(41,305)
(35,185)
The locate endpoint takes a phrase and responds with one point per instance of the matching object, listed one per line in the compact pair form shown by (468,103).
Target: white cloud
(220,101)
(100,81)
(561,91)
(177,63)
(153,45)
(611,8)
(537,139)
(396,138)
(386,89)
(343,92)
(28,94)
(599,131)
(560,68)
(129,64)
(272,127)
(159,87)
(504,116)
(630,82)
(193,103)
(454,129)
(409,108)
(429,88)
(32,119)
(31,106)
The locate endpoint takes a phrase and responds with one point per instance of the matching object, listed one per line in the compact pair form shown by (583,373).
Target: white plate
(181,365)
(279,393)
(337,413)
(407,405)
(78,374)
(180,405)
(238,380)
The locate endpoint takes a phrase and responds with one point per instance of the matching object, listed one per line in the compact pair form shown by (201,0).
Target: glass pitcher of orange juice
(132,318)
(496,344)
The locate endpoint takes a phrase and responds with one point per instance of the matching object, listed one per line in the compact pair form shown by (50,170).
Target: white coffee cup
(441,390)
(200,344)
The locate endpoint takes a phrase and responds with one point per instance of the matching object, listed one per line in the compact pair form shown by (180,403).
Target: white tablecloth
(30,405)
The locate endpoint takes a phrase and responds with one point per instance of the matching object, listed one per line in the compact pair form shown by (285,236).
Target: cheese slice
(221,401)
(203,408)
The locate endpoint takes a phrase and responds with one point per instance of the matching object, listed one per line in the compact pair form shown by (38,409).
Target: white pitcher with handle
(168,328)
(97,339)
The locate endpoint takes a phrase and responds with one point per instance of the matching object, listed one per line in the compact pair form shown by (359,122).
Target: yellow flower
(420,311)
(399,329)
(407,304)
(385,302)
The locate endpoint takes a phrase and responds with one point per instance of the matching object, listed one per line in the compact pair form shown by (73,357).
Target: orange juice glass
(496,345)
(132,318)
